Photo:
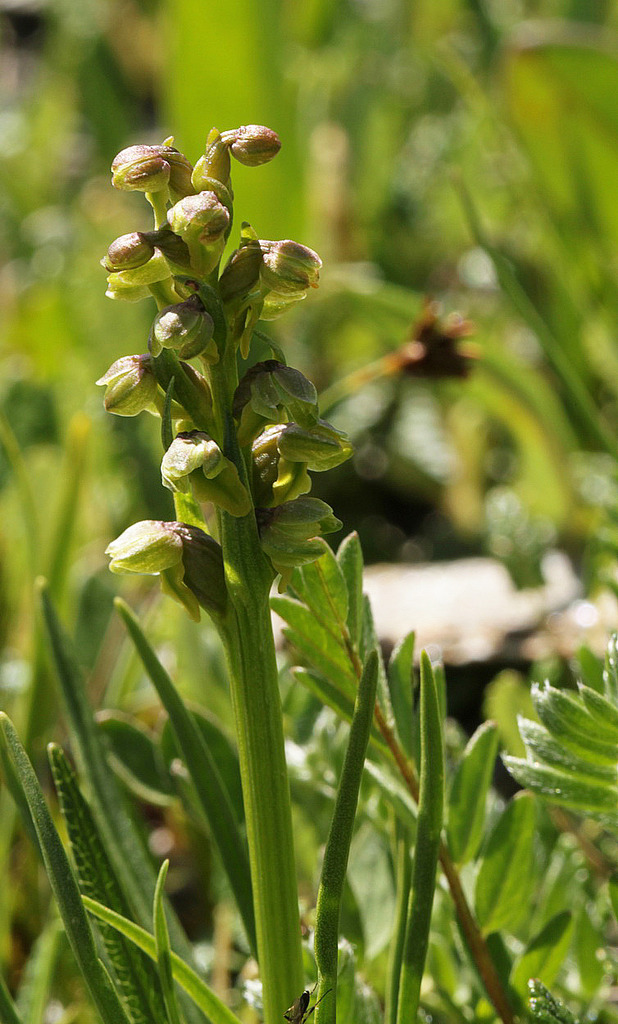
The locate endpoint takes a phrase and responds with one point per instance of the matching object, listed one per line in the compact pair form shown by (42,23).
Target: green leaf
(604,713)
(323,650)
(427,847)
(62,882)
(588,942)
(203,997)
(545,1008)
(610,672)
(371,880)
(135,758)
(506,698)
(8,1010)
(590,668)
(567,719)
(332,698)
(204,773)
(613,893)
(578,793)
(337,848)
(162,948)
(542,747)
(134,976)
(468,796)
(545,954)
(321,585)
(505,880)
(370,642)
(350,559)
(400,675)
(396,793)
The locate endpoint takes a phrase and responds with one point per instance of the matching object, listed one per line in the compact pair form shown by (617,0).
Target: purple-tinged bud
(152,169)
(215,163)
(185,327)
(201,221)
(128,251)
(122,283)
(252,144)
(130,386)
(268,388)
(203,569)
(173,248)
(289,268)
(274,478)
(195,462)
(239,282)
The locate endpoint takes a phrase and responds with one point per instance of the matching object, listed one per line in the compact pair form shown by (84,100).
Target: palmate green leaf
(350,560)
(541,747)
(319,646)
(321,585)
(505,881)
(604,713)
(545,954)
(468,796)
(63,883)
(134,975)
(203,996)
(568,720)
(580,794)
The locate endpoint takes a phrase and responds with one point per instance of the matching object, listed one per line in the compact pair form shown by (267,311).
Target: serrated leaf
(135,758)
(350,559)
(567,719)
(579,794)
(545,954)
(320,648)
(545,1008)
(400,675)
(135,977)
(604,713)
(590,668)
(468,796)
(542,747)
(505,880)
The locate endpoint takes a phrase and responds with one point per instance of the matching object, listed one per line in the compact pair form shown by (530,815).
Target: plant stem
(250,651)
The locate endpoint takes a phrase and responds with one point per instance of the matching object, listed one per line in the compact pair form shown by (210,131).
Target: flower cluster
(246,446)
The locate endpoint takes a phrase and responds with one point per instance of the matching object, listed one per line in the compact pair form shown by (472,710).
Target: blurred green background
(465,150)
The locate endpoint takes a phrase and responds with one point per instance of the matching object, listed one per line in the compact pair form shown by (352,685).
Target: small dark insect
(298,1012)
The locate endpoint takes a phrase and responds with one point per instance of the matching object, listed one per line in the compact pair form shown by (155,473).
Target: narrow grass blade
(404,882)
(468,795)
(63,882)
(204,775)
(33,994)
(8,1010)
(338,844)
(162,947)
(427,848)
(135,977)
(203,997)
(123,843)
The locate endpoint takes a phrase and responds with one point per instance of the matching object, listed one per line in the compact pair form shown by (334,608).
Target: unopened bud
(195,462)
(174,249)
(320,446)
(266,389)
(152,169)
(185,327)
(121,281)
(130,386)
(290,534)
(275,479)
(148,547)
(289,268)
(201,221)
(128,251)
(240,279)
(252,144)
(215,163)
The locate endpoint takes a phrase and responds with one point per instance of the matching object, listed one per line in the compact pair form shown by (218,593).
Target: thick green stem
(250,652)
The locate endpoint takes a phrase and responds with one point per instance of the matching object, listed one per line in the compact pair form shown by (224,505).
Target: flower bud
(320,446)
(194,461)
(239,282)
(176,251)
(152,169)
(189,562)
(275,305)
(215,163)
(148,547)
(252,144)
(155,270)
(128,251)
(268,388)
(201,221)
(130,386)
(185,327)
(290,534)
(275,479)
(289,268)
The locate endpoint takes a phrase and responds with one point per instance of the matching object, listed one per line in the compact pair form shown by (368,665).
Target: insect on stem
(298,1012)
